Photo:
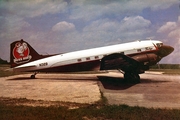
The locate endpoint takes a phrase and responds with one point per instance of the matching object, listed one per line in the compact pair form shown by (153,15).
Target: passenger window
(138,50)
(96,57)
(88,58)
(148,48)
(79,60)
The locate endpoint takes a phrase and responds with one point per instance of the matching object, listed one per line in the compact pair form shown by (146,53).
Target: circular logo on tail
(21,53)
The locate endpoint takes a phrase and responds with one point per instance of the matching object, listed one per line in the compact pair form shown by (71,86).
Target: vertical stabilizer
(21,52)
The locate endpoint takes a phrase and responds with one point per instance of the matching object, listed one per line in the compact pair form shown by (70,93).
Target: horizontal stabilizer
(24,68)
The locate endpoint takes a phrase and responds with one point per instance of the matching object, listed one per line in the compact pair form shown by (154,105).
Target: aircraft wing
(119,61)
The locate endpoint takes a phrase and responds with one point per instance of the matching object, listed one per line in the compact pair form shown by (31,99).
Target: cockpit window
(159,44)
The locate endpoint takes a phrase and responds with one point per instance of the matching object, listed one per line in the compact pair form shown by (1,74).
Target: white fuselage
(93,54)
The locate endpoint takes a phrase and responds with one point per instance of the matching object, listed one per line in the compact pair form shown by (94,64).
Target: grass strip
(95,112)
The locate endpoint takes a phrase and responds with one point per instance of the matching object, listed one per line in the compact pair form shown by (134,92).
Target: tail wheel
(132,77)
(33,76)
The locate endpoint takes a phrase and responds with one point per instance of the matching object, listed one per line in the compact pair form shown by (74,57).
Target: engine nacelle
(149,58)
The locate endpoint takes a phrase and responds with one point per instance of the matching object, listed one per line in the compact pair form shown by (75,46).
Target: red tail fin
(21,53)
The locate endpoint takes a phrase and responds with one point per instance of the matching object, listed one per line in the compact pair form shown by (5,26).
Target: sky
(58,26)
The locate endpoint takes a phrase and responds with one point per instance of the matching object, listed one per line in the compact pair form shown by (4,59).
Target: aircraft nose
(165,50)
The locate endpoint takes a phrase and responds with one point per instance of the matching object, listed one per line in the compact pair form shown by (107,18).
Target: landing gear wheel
(33,77)
(132,77)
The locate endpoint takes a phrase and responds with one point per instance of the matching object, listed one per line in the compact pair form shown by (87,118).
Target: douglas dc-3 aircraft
(131,58)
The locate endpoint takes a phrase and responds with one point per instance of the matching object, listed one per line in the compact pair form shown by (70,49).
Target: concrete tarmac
(52,87)
(155,90)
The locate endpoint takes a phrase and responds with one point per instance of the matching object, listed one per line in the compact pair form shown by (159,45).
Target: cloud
(126,24)
(33,8)
(89,10)
(13,27)
(105,32)
(171,28)
(167,27)
(63,27)
(170,31)
(159,4)
(102,25)
(174,33)
(134,23)
(82,9)
(129,28)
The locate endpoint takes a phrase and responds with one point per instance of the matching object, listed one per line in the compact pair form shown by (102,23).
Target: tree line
(3,61)
(166,66)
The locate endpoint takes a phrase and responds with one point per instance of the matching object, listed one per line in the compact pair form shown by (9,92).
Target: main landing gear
(131,77)
(33,76)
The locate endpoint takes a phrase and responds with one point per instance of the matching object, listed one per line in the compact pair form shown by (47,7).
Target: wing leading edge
(119,61)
